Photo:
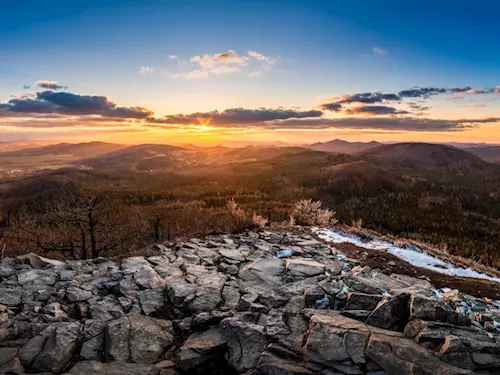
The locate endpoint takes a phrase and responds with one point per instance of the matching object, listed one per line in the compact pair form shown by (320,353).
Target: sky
(210,72)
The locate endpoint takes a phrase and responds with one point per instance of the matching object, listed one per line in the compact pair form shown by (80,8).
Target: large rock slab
(61,342)
(246,341)
(138,339)
(114,368)
(201,348)
(391,313)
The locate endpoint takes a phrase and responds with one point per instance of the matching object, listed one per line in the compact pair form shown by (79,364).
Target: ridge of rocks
(263,303)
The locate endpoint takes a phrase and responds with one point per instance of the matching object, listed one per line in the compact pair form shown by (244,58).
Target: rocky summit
(266,303)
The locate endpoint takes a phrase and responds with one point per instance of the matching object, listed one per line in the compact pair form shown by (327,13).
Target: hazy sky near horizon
(258,71)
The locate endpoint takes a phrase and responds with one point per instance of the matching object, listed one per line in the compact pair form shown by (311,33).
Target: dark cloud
(73,104)
(421,92)
(334,107)
(419,107)
(375,110)
(456,90)
(417,93)
(479,120)
(367,98)
(237,116)
(51,85)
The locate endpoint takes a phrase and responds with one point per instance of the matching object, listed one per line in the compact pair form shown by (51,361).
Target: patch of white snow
(410,254)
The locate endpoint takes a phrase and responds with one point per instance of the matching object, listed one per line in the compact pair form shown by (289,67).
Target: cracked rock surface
(263,303)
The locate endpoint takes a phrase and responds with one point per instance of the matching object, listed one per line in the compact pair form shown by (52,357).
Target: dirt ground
(388,263)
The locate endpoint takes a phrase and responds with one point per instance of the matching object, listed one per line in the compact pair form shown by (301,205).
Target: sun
(204,124)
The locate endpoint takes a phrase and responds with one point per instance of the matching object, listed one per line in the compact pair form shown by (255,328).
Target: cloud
(415,124)
(401,96)
(334,107)
(195,74)
(26,87)
(51,85)
(237,116)
(379,51)
(374,110)
(366,97)
(146,70)
(421,92)
(456,90)
(226,63)
(261,57)
(66,103)
(210,62)
(173,57)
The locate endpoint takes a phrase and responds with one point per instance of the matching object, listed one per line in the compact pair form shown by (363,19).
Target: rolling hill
(340,146)
(77,150)
(426,155)
(489,153)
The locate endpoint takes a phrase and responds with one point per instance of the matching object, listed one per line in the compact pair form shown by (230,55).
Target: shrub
(309,213)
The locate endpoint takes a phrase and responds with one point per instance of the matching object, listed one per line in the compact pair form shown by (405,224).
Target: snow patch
(410,254)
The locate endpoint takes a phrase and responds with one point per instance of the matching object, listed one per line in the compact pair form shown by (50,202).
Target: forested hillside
(445,196)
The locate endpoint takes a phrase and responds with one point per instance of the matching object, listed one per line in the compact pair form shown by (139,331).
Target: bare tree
(82,223)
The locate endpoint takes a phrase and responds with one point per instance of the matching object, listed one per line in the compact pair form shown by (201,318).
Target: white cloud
(195,74)
(172,57)
(211,62)
(146,70)
(379,51)
(226,63)
(258,56)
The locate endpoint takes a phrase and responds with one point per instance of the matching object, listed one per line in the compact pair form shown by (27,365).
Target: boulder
(362,301)
(435,310)
(147,278)
(105,308)
(392,313)
(152,301)
(245,340)
(113,368)
(138,339)
(12,367)
(270,364)
(10,296)
(399,356)
(59,347)
(76,294)
(200,348)
(302,267)
(7,355)
(37,261)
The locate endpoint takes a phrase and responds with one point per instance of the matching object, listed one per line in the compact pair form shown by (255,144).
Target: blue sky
(315,50)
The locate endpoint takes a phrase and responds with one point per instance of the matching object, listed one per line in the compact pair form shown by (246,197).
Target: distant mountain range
(340,146)
(189,158)
(81,150)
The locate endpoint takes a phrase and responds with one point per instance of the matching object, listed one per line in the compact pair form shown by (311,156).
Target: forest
(450,200)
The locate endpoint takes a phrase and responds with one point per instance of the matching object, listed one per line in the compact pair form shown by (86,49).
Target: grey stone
(304,267)
(59,348)
(10,296)
(114,368)
(433,310)
(152,301)
(147,278)
(201,348)
(76,294)
(246,341)
(362,301)
(392,313)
